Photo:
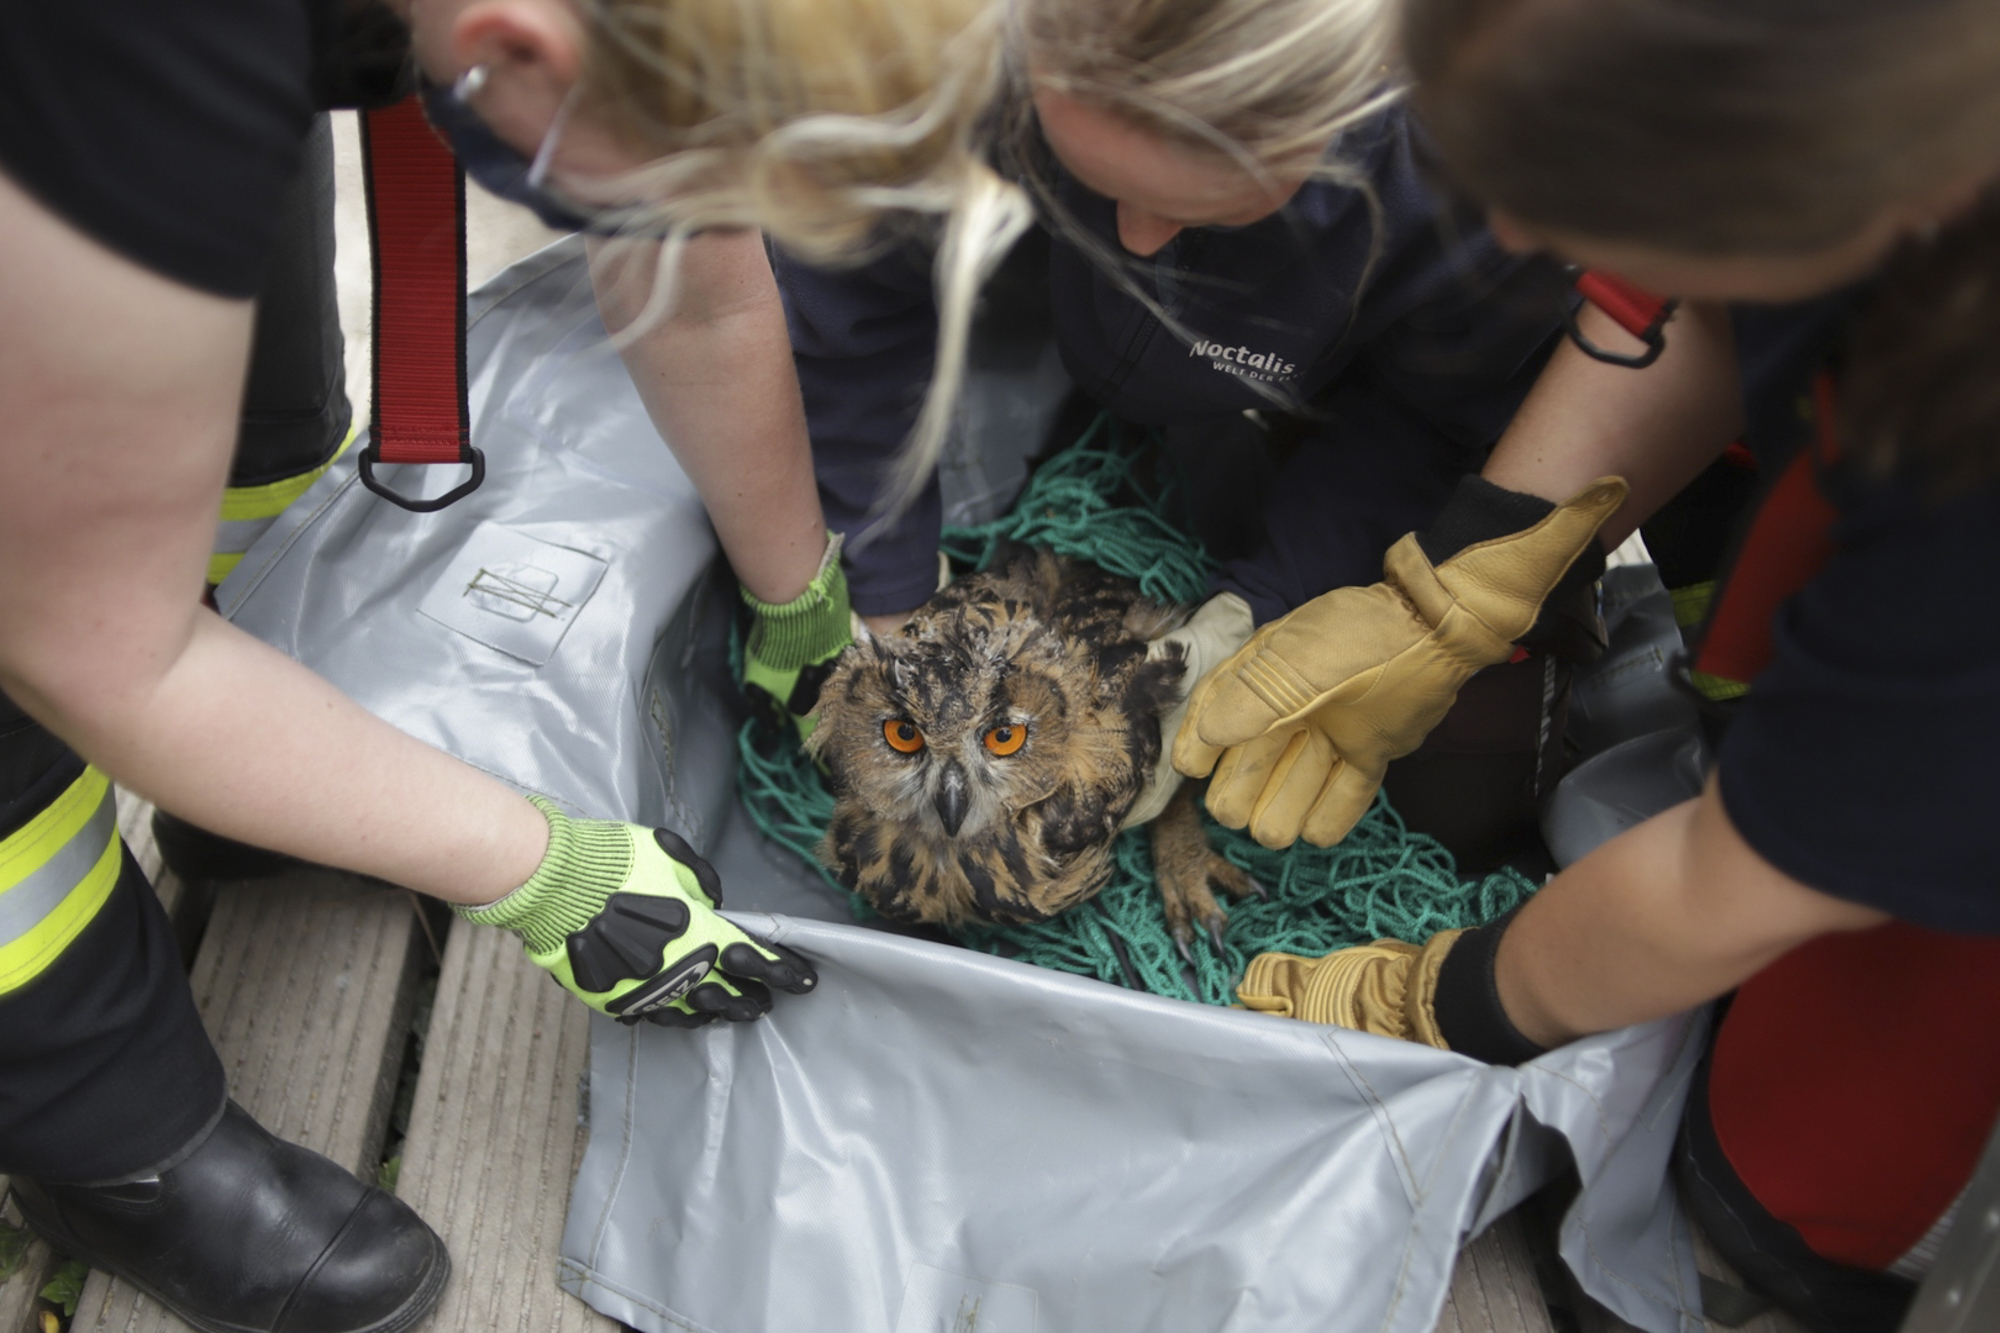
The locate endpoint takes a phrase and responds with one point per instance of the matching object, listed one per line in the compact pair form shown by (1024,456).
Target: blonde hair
(829,125)
(808,119)
(1267,83)
(834,124)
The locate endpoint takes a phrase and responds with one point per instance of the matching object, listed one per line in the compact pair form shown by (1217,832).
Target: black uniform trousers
(105,1069)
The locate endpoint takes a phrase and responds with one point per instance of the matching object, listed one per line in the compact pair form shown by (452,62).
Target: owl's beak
(952,801)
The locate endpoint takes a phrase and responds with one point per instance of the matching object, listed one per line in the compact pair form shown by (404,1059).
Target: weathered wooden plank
(496,1135)
(305,982)
(135,825)
(1494,1288)
(18,1293)
(1596,1319)
(1711,1264)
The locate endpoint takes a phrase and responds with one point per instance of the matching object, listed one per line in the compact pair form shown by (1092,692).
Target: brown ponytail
(1922,383)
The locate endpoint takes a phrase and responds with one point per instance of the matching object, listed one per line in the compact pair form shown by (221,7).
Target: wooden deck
(318,987)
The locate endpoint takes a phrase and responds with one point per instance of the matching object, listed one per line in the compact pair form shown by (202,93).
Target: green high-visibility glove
(624,917)
(791,648)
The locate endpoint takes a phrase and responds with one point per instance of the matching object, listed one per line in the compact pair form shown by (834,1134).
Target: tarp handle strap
(1787,543)
(416,232)
(1633,309)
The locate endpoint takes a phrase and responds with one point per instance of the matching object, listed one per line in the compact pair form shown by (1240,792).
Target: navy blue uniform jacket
(1862,761)
(1406,334)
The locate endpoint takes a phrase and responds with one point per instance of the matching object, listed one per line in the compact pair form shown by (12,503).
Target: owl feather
(984,760)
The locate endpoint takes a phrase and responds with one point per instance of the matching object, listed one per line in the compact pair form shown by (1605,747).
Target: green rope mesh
(1099,501)
(1096,501)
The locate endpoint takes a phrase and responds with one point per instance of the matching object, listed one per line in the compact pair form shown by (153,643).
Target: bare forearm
(1666,916)
(118,446)
(716,376)
(1657,427)
(242,740)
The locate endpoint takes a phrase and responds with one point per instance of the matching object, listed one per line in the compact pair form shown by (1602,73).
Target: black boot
(242,1232)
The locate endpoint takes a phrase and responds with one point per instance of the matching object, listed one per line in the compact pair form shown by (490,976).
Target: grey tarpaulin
(936,1139)
(1639,734)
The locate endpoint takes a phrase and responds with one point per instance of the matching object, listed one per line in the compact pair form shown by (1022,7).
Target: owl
(984,759)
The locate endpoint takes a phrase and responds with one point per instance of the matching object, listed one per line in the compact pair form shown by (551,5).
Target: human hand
(624,918)
(1300,724)
(1388,988)
(791,647)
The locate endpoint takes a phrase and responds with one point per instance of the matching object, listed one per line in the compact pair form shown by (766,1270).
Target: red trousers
(1854,1083)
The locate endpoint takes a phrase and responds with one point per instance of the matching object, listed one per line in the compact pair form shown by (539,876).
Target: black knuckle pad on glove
(805,691)
(674,845)
(625,939)
(751,1004)
(788,971)
(671,984)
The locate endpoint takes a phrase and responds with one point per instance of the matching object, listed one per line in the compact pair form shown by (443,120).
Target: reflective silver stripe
(234,536)
(23,907)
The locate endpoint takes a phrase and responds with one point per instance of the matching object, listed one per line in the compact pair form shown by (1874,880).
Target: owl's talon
(1191,873)
(1184,941)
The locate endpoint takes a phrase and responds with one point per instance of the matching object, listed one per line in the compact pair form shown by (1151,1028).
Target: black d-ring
(371,456)
(1654,335)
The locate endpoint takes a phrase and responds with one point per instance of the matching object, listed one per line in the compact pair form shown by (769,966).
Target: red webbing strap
(1787,544)
(416,225)
(1636,310)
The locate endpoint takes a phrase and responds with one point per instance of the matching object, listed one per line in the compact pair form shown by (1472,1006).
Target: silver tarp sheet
(935,1140)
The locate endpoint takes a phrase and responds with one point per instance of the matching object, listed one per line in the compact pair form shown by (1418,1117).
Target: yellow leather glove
(1388,988)
(1299,725)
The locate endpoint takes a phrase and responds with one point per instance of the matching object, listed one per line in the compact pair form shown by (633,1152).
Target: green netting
(1101,501)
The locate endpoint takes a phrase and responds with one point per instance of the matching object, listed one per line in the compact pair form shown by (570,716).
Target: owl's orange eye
(903,736)
(1004,740)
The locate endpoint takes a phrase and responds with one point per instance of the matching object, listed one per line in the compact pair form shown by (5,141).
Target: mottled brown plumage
(984,760)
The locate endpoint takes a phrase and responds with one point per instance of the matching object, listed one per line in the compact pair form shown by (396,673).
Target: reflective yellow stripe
(248,510)
(1691,608)
(1719,688)
(1691,602)
(23,960)
(82,812)
(270,499)
(36,843)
